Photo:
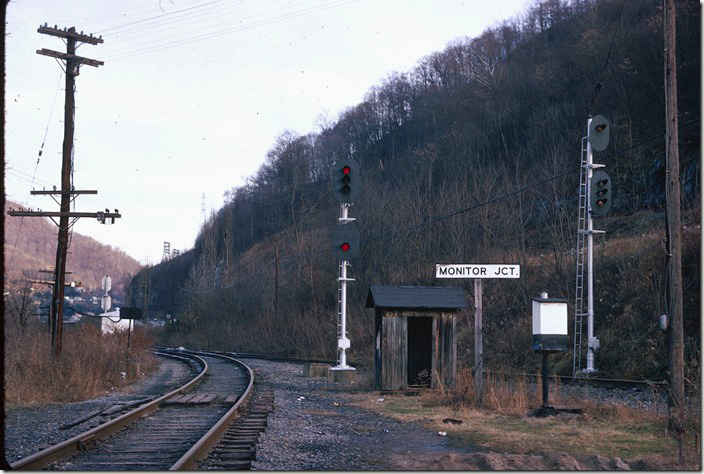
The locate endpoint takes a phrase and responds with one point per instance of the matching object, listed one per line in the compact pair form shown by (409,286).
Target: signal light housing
(345,241)
(599,133)
(601,199)
(345,185)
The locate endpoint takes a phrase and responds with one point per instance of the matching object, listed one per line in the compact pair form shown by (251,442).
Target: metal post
(343,314)
(590,258)
(343,343)
(545,379)
(129,336)
(478,340)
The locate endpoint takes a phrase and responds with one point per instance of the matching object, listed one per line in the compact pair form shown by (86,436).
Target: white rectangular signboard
(471,270)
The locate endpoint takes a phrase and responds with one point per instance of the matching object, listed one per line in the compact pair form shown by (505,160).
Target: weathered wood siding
(444,350)
(391,348)
(377,348)
(394,355)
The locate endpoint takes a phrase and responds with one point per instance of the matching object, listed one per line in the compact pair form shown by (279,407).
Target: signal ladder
(343,343)
(339,303)
(582,232)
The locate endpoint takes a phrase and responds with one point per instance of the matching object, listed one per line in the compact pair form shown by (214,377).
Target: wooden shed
(415,335)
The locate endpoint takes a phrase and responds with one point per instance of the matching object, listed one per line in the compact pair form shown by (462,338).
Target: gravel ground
(322,432)
(634,398)
(313,426)
(30,429)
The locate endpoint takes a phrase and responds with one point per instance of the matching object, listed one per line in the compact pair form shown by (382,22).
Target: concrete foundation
(316,370)
(344,375)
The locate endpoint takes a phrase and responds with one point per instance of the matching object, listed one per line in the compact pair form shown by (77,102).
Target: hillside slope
(89,260)
(472,156)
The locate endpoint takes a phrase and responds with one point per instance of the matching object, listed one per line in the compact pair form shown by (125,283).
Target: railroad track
(205,419)
(616,384)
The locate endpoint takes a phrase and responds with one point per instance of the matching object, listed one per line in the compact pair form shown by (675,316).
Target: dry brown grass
(90,364)
(505,397)
(502,423)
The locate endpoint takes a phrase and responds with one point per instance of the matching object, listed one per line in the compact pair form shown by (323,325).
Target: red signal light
(346,170)
(345,247)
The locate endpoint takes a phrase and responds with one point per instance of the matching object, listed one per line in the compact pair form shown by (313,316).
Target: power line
(451,214)
(128,54)
(443,217)
(109,16)
(27,177)
(158,16)
(518,191)
(34,175)
(189,20)
(597,88)
(117,17)
(237,282)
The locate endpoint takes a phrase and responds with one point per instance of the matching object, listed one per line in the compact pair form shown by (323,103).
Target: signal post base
(316,370)
(343,373)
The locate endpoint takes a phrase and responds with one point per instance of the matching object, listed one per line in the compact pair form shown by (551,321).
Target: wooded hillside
(472,156)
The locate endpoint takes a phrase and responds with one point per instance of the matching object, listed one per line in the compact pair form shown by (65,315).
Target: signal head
(345,241)
(600,199)
(599,133)
(346,182)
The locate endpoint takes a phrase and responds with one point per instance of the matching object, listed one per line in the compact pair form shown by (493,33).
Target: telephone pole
(675,339)
(67,194)
(276,281)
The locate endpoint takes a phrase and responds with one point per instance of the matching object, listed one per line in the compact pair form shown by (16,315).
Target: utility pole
(276,281)
(675,339)
(72,65)
(478,342)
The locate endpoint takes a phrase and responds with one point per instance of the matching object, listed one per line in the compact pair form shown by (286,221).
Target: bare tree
(21,304)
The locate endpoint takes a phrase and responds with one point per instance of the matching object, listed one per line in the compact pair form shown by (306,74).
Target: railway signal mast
(67,192)
(594,200)
(346,188)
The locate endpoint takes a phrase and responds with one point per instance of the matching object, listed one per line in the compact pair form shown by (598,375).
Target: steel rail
(588,380)
(79,442)
(209,440)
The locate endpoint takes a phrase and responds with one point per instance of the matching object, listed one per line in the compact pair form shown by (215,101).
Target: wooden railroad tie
(237,447)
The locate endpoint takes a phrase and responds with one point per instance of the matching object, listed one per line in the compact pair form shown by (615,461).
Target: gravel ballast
(32,428)
(314,428)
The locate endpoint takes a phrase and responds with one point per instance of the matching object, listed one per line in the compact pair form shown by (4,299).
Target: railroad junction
(296,423)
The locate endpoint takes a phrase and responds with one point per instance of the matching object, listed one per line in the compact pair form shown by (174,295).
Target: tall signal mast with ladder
(594,200)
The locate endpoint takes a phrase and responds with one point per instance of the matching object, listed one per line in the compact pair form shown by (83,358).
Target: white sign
(107,283)
(471,270)
(106,302)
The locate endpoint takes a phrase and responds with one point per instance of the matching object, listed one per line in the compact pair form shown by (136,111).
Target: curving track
(171,432)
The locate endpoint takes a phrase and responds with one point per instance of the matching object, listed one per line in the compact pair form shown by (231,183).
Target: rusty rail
(204,445)
(72,445)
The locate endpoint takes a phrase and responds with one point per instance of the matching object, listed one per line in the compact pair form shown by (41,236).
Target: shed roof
(422,297)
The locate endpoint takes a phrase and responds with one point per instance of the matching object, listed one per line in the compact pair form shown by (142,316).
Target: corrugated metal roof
(424,297)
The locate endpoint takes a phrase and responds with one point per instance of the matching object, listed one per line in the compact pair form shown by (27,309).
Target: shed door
(420,350)
(393,353)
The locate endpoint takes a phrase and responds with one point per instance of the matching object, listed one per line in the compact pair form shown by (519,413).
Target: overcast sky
(193,94)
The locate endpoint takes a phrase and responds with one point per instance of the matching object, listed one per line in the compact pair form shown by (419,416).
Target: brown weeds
(90,364)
